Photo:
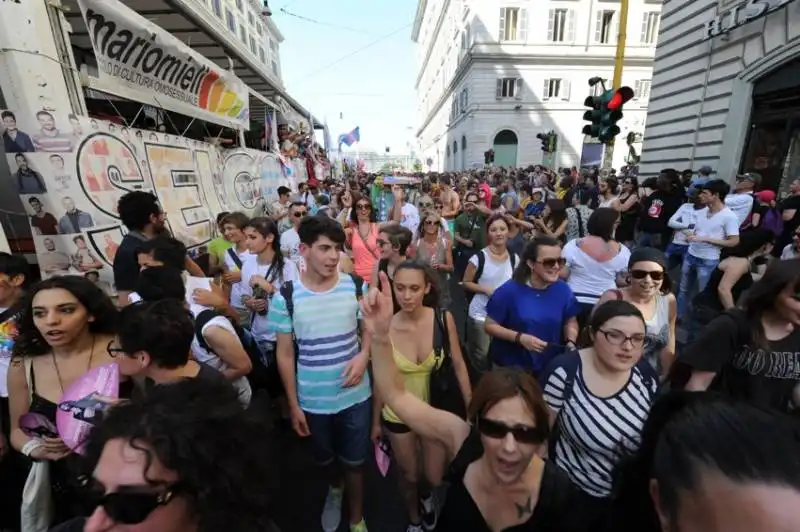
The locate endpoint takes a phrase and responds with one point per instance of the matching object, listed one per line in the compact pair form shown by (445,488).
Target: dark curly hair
(198,429)
(29,341)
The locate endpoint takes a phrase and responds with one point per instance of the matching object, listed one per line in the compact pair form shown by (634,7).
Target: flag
(271,131)
(349,138)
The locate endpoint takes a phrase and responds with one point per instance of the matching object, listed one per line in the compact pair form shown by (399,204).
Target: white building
(725,90)
(494,74)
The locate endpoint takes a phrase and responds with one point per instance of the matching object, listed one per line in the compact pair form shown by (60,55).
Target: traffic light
(488,156)
(606,112)
(553,143)
(545,138)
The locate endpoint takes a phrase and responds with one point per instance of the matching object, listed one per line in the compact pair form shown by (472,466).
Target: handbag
(37,499)
(445,393)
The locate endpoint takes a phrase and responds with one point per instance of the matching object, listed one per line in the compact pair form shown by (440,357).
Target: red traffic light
(621,95)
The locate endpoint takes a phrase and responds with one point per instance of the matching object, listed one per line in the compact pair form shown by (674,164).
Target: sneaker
(361,526)
(332,511)
(414,528)
(429,511)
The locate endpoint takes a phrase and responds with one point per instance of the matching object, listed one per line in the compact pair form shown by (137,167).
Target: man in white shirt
(716,227)
(404,213)
(290,239)
(740,201)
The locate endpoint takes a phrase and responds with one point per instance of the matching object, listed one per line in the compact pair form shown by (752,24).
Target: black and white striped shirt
(595,432)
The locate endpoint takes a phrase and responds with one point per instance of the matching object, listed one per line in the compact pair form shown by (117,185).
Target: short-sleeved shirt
(764,377)
(719,226)
(259,325)
(472,227)
(290,246)
(588,277)
(218,247)
(126,261)
(237,288)
(528,310)
(494,274)
(47,224)
(327,340)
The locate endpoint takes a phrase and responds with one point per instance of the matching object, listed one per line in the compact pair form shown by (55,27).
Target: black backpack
(247,339)
(479,270)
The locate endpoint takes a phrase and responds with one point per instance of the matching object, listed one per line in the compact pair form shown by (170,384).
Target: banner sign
(70,173)
(149,65)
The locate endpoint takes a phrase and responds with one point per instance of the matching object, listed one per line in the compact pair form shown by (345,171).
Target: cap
(647,255)
(765,195)
(749,176)
(705,170)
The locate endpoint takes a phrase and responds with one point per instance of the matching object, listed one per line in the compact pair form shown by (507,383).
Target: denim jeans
(478,346)
(694,269)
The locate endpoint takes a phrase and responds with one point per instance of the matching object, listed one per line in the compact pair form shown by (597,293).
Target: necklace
(58,373)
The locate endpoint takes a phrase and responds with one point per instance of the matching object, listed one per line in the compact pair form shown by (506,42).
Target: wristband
(574,344)
(517,338)
(30,446)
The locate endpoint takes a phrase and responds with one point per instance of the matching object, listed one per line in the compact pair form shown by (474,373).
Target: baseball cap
(749,176)
(765,195)
(705,170)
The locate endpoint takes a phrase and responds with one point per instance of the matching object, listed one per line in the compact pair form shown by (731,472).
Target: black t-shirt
(126,262)
(657,209)
(764,377)
(791,203)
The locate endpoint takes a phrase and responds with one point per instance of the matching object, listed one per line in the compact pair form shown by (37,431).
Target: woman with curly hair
(64,328)
(186,458)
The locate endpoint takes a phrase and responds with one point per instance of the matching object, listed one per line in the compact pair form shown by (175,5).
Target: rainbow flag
(349,138)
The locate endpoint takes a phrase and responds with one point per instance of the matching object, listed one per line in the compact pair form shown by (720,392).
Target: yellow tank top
(417,378)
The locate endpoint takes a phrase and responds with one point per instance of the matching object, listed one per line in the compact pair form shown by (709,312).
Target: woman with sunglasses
(599,398)
(65,326)
(533,315)
(165,464)
(650,290)
(414,333)
(749,353)
(498,482)
(393,243)
(362,237)
(436,252)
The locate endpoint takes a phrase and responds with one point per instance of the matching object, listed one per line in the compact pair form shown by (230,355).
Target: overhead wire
(321,23)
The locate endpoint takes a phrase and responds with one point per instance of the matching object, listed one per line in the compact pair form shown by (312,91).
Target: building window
(231,21)
(252,45)
(464,99)
(261,55)
(240,5)
(243,34)
(650,27)
(260,29)
(217,7)
(513,24)
(251,18)
(509,88)
(556,89)
(597,89)
(641,89)
(561,25)
(606,27)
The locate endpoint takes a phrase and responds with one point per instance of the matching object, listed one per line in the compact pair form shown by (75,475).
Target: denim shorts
(343,435)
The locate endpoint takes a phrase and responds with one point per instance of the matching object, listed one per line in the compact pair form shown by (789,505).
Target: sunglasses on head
(498,431)
(641,274)
(552,263)
(130,507)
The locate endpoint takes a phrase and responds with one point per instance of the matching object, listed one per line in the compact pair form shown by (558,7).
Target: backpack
(287,291)
(479,270)
(772,221)
(248,341)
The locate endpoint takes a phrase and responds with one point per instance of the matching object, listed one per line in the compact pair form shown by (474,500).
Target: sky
(374,87)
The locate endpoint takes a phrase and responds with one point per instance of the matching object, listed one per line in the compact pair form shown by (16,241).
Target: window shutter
(643,38)
(637,89)
(501,35)
(466,97)
(615,37)
(571,26)
(598,27)
(564,89)
(522,32)
(546,92)
(518,89)
(499,89)
(551,25)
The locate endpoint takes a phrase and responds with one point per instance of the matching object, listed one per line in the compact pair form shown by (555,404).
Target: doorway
(505,148)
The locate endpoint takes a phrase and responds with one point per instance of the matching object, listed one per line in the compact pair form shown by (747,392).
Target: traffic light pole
(619,59)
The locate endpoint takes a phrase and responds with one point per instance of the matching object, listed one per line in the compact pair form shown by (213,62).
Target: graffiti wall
(71,171)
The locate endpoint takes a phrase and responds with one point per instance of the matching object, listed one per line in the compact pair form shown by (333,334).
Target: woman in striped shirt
(599,399)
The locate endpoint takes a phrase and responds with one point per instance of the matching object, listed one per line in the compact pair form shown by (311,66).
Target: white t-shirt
(236,288)
(494,274)
(719,226)
(589,278)
(258,325)
(409,217)
(787,254)
(208,358)
(685,216)
(290,247)
(740,204)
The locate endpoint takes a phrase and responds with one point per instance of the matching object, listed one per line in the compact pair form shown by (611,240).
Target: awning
(194,23)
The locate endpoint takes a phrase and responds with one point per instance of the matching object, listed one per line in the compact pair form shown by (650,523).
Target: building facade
(494,75)
(724,91)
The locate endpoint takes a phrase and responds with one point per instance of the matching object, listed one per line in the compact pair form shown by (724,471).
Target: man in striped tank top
(49,138)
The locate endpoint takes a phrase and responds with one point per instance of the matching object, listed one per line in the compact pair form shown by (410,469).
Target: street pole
(619,59)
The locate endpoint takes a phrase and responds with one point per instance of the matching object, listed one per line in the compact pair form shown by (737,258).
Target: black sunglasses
(498,431)
(552,263)
(130,508)
(300,214)
(641,274)
(363,206)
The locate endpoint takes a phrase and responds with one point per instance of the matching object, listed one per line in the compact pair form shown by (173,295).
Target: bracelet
(517,338)
(30,446)
(574,344)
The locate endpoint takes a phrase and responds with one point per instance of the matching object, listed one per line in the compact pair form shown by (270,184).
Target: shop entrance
(773,143)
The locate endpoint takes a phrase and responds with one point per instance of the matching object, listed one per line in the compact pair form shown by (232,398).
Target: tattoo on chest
(524,509)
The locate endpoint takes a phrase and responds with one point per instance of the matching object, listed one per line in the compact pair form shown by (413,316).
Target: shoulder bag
(37,500)
(445,393)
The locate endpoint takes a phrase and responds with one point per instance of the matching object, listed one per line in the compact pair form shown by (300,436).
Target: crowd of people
(626,358)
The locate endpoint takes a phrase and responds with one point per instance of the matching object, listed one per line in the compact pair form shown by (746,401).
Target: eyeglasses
(114,351)
(617,338)
(498,431)
(425,205)
(363,206)
(299,214)
(552,263)
(130,508)
(430,222)
(438,206)
(654,275)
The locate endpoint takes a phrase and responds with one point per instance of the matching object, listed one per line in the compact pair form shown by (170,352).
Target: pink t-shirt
(364,253)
